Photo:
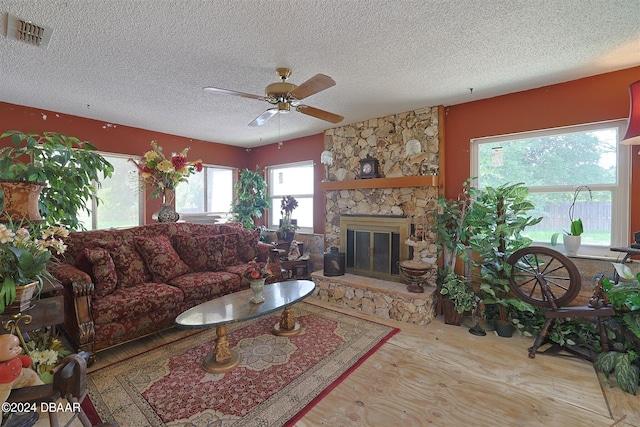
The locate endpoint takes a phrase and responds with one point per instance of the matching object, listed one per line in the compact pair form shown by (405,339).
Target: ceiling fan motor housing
(279,90)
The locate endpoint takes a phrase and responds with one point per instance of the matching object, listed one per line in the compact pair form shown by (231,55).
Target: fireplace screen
(373,245)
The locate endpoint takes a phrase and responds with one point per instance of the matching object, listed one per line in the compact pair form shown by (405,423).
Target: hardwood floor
(440,375)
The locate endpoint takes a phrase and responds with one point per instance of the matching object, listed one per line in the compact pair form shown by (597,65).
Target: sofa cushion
(129,264)
(161,259)
(247,247)
(103,271)
(200,253)
(136,302)
(230,250)
(206,285)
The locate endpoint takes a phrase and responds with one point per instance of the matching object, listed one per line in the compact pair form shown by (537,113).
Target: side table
(47,309)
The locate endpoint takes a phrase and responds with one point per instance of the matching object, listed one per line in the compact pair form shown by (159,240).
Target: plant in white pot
(572,239)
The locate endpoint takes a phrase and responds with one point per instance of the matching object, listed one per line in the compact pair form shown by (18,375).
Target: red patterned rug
(278,380)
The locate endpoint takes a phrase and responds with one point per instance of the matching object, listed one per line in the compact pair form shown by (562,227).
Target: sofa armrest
(78,318)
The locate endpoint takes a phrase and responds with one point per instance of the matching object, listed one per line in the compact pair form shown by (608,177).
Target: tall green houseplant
(251,198)
(497,219)
(68,168)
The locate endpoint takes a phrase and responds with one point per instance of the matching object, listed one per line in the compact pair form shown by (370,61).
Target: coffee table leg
(288,325)
(222,359)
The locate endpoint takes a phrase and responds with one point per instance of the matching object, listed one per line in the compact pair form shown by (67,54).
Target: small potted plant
(288,226)
(572,239)
(24,254)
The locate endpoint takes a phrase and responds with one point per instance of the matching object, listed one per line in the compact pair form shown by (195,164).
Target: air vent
(28,32)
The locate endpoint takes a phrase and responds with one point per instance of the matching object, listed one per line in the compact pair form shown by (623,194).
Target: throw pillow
(103,271)
(247,248)
(129,264)
(161,259)
(200,253)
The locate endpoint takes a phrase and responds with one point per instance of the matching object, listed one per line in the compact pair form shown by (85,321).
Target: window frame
(620,190)
(272,223)
(203,216)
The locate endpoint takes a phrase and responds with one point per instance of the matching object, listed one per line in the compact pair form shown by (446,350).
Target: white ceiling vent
(28,32)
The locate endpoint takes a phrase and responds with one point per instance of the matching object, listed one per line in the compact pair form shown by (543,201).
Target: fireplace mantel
(399,182)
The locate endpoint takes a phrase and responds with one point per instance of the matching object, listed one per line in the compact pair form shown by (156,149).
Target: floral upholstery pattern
(104,273)
(206,285)
(161,259)
(129,264)
(139,305)
(200,253)
(136,302)
(247,248)
(230,250)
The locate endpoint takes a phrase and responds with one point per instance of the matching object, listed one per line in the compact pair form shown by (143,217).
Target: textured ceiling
(143,63)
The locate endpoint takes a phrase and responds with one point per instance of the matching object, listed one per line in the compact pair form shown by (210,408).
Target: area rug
(277,382)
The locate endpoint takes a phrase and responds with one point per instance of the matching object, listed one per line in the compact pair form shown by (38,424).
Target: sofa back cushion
(200,253)
(129,264)
(161,259)
(246,245)
(103,271)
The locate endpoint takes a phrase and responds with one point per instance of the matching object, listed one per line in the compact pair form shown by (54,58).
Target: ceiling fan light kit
(284,95)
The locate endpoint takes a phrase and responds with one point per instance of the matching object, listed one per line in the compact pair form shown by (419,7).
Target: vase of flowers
(25,250)
(287,230)
(163,174)
(45,350)
(257,273)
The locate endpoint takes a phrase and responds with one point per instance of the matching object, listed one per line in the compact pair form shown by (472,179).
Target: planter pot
(504,329)
(21,201)
(451,316)
(24,294)
(571,244)
(287,235)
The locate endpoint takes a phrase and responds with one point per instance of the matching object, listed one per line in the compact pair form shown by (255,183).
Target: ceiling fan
(285,95)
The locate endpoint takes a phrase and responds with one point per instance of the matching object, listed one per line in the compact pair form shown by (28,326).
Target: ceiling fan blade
(314,85)
(319,114)
(264,117)
(233,92)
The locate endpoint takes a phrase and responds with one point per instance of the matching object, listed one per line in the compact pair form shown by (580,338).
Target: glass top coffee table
(236,307)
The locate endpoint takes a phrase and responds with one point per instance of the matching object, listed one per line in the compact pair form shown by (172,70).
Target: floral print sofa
(123,284)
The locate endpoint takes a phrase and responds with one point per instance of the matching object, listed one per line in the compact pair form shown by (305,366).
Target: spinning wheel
(543,277)
(547,279)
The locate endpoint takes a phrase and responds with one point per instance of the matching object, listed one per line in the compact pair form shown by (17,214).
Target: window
(209,192)
(553,164)
(120,197)
(295,180)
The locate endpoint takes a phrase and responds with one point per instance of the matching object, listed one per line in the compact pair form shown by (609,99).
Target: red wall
(592,99)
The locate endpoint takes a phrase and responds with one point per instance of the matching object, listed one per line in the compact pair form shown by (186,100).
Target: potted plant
(250,199)
(64,168)
(572,239)
(623,361)
(287,229)
(497,219)
(452,231)
(25,250)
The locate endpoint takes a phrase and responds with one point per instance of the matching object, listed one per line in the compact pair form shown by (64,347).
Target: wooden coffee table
(236,307)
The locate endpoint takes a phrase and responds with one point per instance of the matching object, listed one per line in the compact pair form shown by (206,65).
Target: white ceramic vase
(257,286)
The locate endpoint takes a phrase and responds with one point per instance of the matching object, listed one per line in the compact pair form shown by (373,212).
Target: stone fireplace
(407,190)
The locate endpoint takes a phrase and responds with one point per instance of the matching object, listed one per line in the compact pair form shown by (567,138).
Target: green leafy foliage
(251,198)
(69,168)
(458,290)
(626,373)
(497,219)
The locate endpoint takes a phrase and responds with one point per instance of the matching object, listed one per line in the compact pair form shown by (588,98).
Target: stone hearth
(385,299)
